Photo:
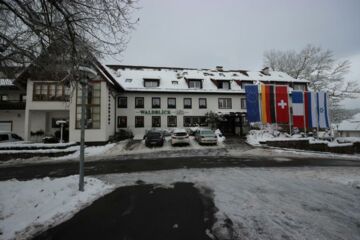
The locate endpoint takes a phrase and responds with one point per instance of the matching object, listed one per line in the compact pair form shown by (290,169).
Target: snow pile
(220,136)
(254,137)
(28,207)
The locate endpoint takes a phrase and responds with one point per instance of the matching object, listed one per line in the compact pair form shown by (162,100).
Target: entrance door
(227,127)
(5,126)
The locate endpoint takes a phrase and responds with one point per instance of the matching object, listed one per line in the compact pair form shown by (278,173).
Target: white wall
(349,133)
(212,105)
(17,117)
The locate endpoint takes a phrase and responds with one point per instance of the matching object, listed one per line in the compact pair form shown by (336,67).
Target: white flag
(323,110)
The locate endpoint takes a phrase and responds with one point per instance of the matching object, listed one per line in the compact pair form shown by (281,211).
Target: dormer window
(128,80)
(197,84)
(224,85)
(148,83)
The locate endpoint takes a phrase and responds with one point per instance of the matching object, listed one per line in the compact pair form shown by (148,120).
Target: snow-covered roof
(350,125)
(131,78)
(6,82)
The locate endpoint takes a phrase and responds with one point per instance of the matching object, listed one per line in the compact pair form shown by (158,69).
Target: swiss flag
(282,104)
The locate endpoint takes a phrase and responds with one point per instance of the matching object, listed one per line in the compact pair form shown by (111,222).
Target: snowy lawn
(272,203)
(27,207)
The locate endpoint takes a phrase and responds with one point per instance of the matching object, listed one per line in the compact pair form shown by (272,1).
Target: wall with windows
(98,129)
(141,111)
(38,100)
(12,95)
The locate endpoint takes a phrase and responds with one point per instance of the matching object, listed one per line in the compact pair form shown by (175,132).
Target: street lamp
(85,74)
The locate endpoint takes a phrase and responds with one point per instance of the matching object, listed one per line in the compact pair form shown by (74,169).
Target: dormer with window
(195,83)
(223,85)
(242,83)
(151,83)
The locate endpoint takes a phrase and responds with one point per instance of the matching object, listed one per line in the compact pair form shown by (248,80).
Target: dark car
(154,138)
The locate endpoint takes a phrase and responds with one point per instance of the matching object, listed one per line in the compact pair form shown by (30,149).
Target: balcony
(12,105)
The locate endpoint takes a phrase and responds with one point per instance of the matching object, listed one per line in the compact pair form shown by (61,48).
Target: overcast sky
(235,34)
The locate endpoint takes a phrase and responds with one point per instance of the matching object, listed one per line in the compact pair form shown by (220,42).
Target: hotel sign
(161,112)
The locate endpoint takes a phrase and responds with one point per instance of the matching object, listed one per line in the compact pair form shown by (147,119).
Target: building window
(151,83)
(156,121)
(300,87)
(243,103)
(4,97)
(225,103)
(156,102)
(50,91)
(139,121)
(139,102)
(195,121)
(22,98)
(244,83)
(224,85)
(122,102)
(92,105)
(187,103)
(174,82)
(171,102)
(122,121)
(202,103)
(195,84)
(172,121)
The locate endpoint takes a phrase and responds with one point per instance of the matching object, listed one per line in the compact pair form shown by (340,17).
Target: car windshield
(14,136)
(207,132)
(180,134)
(154,134)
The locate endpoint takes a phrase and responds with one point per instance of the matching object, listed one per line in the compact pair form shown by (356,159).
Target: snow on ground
(27,207)
(89,151)
(255,137)
(272,203)
(23,144)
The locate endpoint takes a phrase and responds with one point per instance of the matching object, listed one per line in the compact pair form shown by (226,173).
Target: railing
(8,105)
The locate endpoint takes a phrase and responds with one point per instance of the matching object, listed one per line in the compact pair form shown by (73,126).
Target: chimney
(219,68)
(266,71)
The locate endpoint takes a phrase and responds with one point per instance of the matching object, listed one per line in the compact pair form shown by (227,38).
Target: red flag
(282,104)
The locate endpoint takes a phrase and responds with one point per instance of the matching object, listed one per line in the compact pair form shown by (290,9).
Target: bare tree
(319,67)
(29,27)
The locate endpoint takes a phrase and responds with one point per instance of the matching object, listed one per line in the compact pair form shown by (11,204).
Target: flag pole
(305,114)
(289,112)
(317,115)
(275,99)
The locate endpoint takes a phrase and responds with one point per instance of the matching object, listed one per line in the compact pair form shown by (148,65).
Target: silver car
(9,137)
(205,136)
(180,136)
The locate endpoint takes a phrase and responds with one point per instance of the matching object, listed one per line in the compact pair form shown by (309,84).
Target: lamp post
(85,74)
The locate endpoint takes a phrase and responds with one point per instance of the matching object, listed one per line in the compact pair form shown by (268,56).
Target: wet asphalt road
(141,212)
(115,165)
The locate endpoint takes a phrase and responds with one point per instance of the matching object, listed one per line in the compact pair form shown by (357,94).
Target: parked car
(9,137)
(205,136)
(180,136)
(154,138)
